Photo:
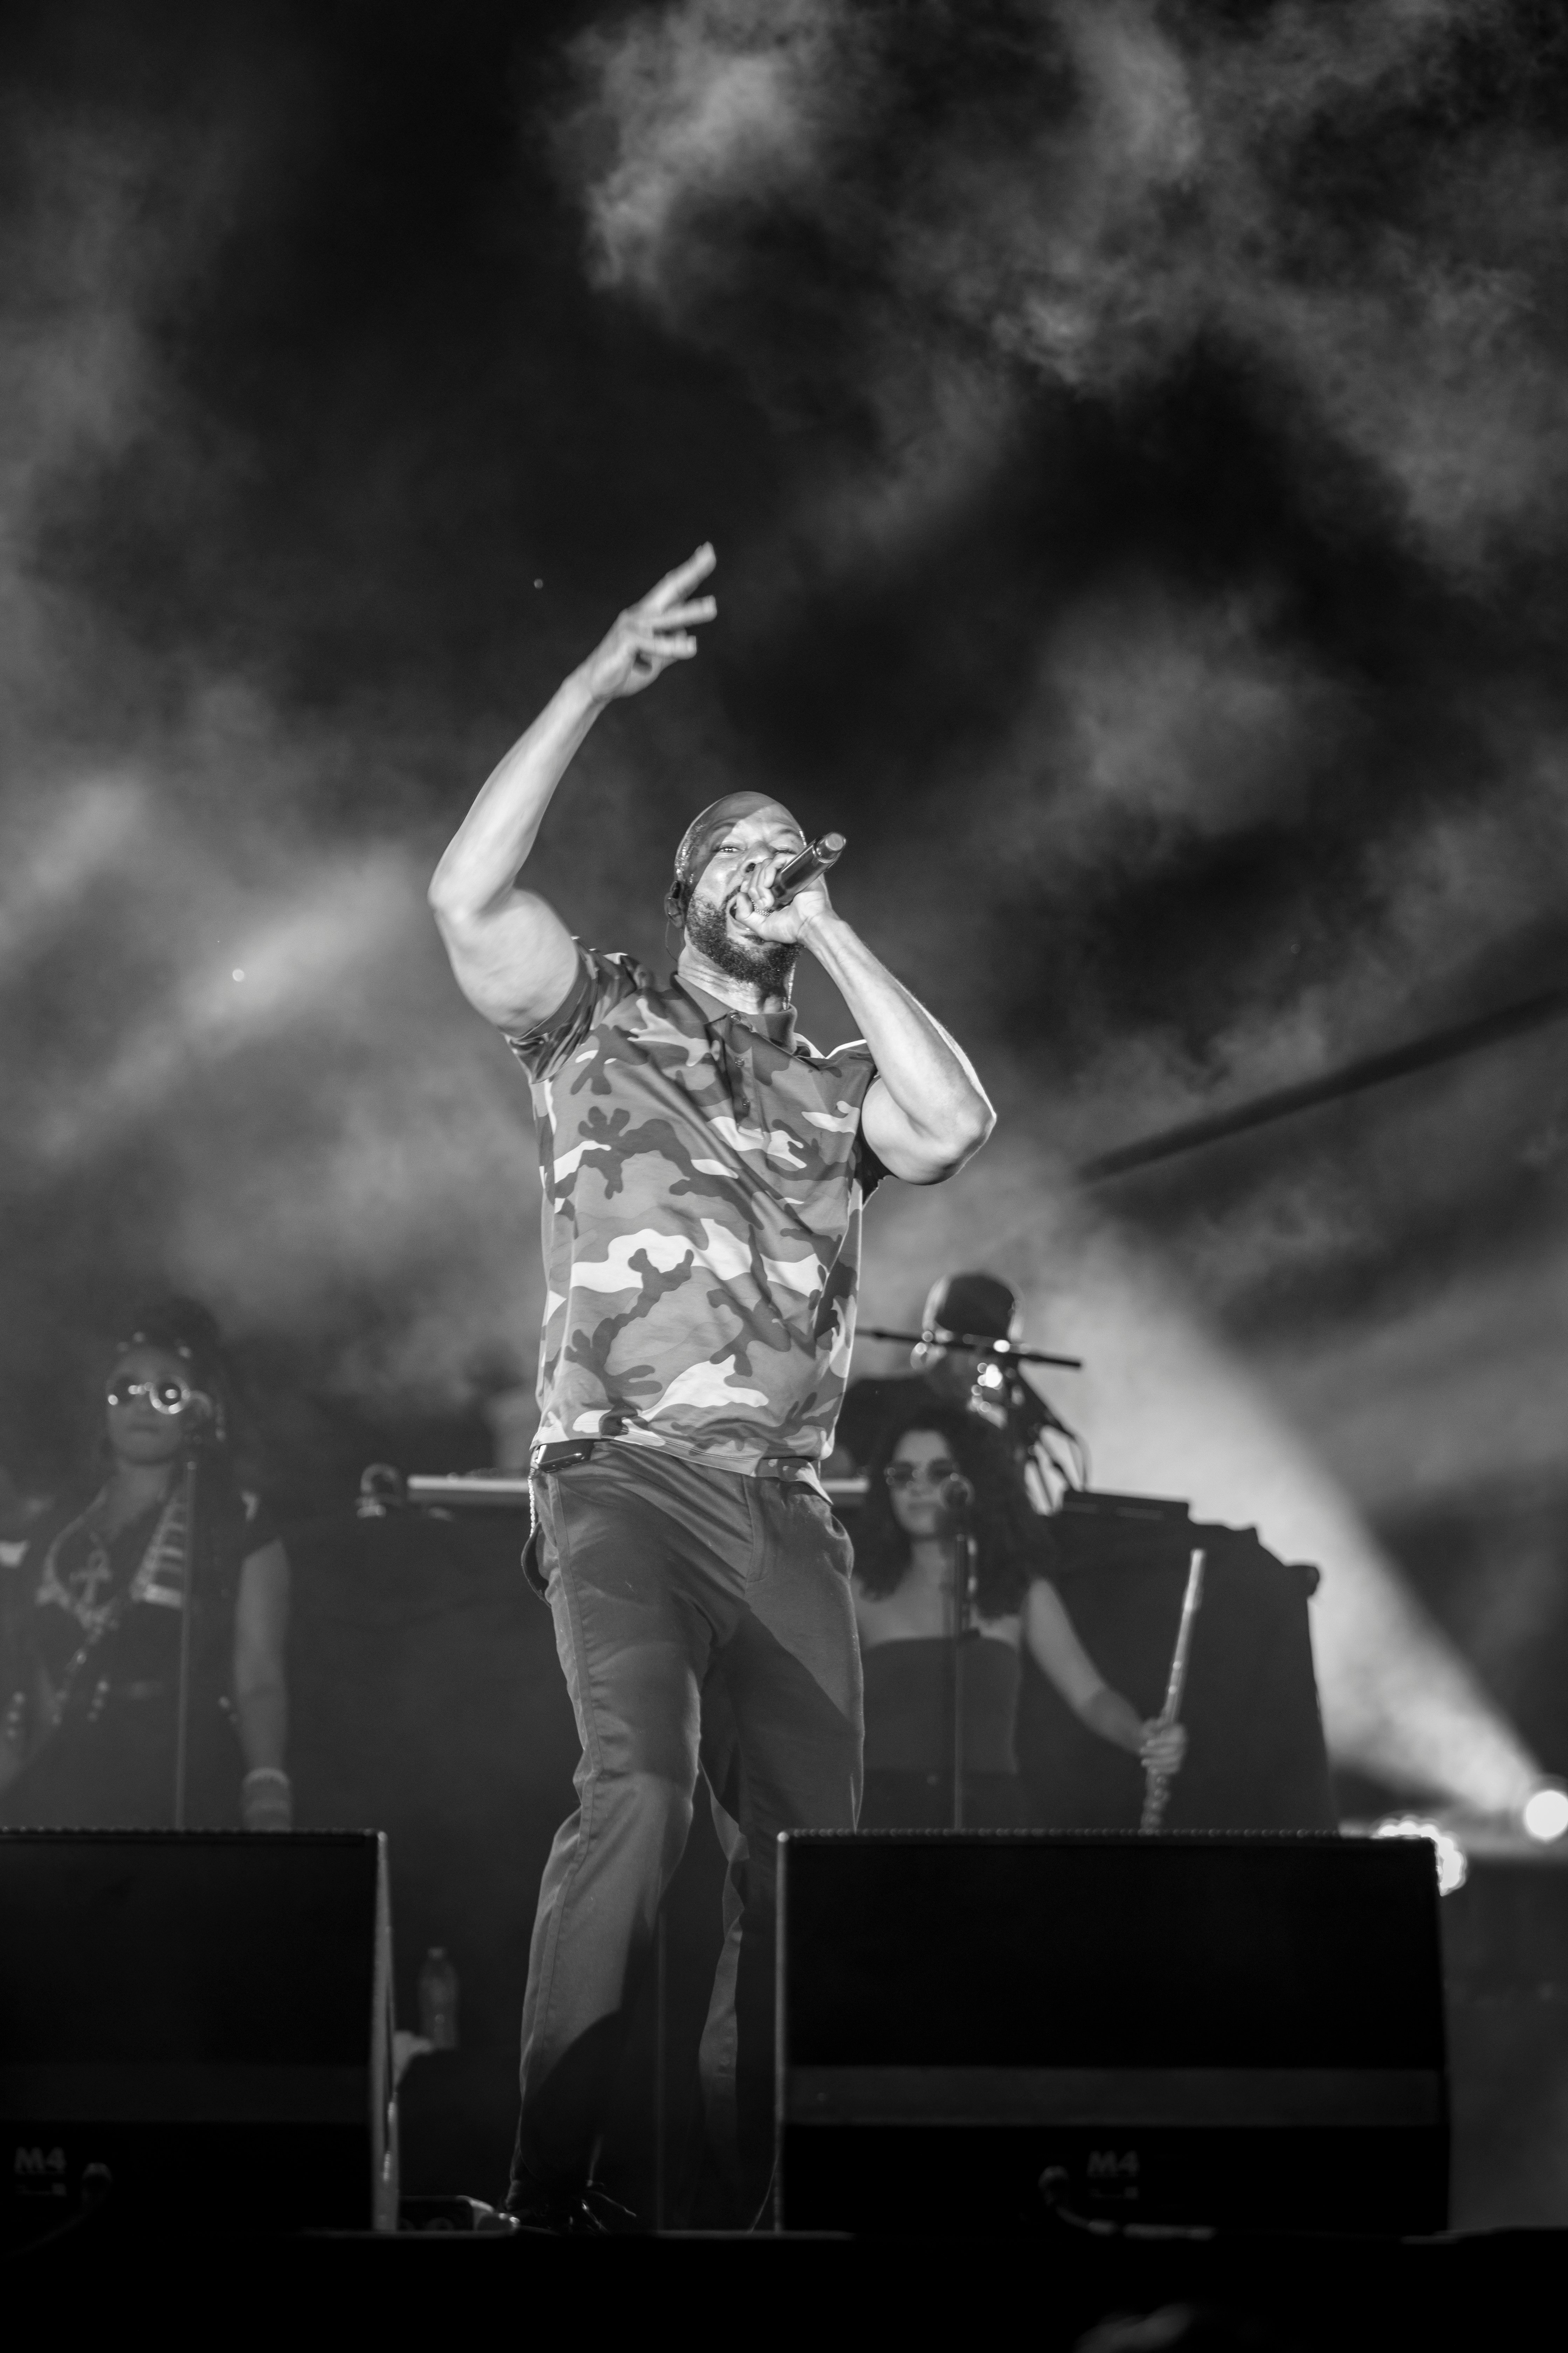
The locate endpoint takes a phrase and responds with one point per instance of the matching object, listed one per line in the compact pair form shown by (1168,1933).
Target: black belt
(558,1450)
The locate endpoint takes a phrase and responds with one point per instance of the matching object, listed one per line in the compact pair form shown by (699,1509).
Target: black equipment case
(995,2032)
(195,2030)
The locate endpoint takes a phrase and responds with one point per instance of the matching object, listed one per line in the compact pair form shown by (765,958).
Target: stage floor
(1259,2293)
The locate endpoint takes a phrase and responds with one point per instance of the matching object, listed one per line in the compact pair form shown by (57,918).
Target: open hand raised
(650,635)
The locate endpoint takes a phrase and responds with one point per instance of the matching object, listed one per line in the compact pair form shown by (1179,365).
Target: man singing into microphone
(703,1173)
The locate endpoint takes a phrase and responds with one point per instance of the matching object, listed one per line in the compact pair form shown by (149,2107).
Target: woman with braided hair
(114,1612)
(905,1539)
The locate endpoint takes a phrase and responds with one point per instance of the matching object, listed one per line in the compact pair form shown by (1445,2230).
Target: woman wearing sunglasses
(113,1612)
(936,1469)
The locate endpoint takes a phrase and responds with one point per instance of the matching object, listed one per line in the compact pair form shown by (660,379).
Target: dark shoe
(607,2213)
(444,2214)
(589,2212)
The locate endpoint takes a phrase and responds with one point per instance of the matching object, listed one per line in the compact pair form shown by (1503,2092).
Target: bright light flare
(1453,1866)
(1545,1813)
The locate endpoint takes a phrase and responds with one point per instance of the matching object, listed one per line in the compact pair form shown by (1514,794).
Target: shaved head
(705,832)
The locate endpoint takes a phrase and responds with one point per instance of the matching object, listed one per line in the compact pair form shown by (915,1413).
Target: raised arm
(925,1112)
(514,958)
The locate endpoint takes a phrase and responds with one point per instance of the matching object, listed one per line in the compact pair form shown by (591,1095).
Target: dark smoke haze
(1136,440)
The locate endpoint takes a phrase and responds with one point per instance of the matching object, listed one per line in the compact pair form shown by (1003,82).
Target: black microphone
(814,860)
(956,1494)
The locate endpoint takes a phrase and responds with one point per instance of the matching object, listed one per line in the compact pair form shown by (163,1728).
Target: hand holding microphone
(767,907)
(806,866)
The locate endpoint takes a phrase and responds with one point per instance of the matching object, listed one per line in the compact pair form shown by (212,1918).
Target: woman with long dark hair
(905,1550)
(143,1642)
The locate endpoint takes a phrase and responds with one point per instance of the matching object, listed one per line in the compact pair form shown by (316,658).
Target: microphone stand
(1028,1417)
(962,1589)
(187,1587)
(1005,1351)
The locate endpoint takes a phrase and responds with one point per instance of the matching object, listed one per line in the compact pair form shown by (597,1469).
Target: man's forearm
(481,862)
(928,1075)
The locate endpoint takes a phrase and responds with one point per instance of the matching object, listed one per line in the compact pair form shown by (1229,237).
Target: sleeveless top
(703,1185)
(909,1700)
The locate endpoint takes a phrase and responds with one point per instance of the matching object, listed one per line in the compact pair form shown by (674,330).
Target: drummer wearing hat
(957,1308)
(703,1170)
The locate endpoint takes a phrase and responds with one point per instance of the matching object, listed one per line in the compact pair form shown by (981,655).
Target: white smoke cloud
(1180,715)
(226,1012)
(722,100)
(344,1153)
(1176,179)
(1459,1396)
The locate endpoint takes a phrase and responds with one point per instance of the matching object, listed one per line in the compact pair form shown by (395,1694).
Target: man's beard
(767,966)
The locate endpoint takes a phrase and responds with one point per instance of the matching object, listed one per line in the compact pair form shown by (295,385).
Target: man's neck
(745,996)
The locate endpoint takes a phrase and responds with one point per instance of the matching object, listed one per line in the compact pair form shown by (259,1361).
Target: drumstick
(1156,1784)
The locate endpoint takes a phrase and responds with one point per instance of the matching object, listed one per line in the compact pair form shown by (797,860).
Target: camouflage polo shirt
(701,1224)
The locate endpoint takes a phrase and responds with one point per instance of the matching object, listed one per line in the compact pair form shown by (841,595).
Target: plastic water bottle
(438,2001)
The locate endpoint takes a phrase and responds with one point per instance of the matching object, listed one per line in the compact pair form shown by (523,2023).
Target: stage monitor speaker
(1505,1949)
(980,2030)
(198,2025)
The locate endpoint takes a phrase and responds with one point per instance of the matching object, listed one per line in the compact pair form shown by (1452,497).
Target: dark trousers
(701,1618)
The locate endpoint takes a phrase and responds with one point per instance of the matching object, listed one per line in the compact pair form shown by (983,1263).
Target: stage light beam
(300,961)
